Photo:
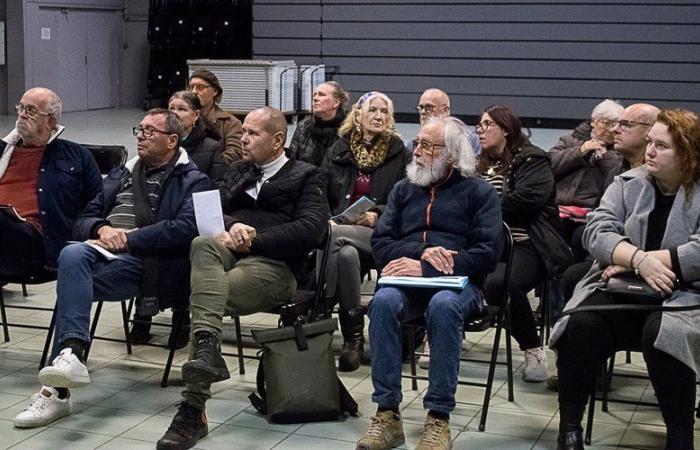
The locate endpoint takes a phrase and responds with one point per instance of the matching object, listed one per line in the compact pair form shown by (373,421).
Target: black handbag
(632,288)
(297,381)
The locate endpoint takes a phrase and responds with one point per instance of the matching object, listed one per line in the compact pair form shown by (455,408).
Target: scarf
(13,139)
(368,157)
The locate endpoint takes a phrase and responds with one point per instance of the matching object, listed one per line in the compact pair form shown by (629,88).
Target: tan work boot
(385,432)
(436,435)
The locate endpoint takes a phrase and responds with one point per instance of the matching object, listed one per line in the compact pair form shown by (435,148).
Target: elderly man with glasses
(145,219)
(442,219)
(207,87)
(44,184)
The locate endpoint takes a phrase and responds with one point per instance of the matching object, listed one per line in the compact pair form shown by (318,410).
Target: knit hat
(210,78)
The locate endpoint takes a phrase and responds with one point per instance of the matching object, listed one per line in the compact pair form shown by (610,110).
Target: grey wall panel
(549,59)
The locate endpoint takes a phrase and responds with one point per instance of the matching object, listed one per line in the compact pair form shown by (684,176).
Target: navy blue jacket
(461,214)
(169,238)
(68,179)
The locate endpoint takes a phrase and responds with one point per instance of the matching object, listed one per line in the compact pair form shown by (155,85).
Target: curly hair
(361,107)
(684,128)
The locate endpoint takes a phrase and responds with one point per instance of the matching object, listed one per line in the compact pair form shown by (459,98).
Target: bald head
(273,120)
(39,111)
(642,112)
(433,103)
(630,134)
(264,135)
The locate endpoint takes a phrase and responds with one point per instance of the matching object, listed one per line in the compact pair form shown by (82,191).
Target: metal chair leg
(5,327)
(239,345)
(24,290)
(492,372)
(47,343)
(125,323)
(412,360)
(509,355)
(93,328)
(177,326)
(591,411)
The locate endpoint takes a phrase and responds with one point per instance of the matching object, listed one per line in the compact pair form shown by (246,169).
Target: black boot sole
(183,445)
(199,372)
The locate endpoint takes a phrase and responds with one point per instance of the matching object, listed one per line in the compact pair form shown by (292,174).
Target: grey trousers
(349,243)
(223,285)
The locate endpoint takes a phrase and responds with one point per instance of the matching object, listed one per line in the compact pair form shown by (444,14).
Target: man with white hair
(440,220)
(44,184)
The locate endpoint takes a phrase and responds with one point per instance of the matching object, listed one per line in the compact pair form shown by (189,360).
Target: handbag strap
(629,307)
(259,401)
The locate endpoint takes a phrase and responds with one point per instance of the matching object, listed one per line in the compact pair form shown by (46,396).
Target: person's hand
(368,219)
(403,267)
(593,145)
(613,270)
(440,258)
(656,274)
(112,239)
(242,234)
(226,239)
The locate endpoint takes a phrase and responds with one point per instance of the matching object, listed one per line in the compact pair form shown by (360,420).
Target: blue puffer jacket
(68,180)
(461,214)
(169,238)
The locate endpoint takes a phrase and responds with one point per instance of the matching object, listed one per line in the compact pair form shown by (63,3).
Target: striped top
(497,180)
(123,215)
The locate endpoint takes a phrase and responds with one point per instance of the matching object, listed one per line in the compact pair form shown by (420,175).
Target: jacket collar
(182,159)
(13,138)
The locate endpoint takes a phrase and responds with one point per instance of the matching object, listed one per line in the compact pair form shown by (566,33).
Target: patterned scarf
(368,157)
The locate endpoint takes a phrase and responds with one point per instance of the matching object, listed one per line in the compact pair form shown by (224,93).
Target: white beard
(427,175)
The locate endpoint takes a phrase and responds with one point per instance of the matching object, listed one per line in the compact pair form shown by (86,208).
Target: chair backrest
(107,157)
(507,258)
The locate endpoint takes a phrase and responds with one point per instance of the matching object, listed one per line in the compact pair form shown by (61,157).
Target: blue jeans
(445,311)
(84,276)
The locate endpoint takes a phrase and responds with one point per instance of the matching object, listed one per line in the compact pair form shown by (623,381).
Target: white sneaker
(65,371)
(424,361)
(535,370)
(44,409)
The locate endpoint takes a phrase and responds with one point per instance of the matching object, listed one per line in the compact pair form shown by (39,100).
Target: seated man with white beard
(441,220)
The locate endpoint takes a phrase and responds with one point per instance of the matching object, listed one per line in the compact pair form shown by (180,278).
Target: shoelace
(433,431)
(38,402)
(534,355)
(204,345)
(375,428)
(184,419)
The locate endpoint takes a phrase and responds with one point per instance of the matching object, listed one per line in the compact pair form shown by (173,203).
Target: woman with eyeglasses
(367,160)
(203,150)
(647,223)
(522,174)
(207,87)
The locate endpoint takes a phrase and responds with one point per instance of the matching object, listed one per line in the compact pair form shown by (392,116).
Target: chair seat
(38,278)
(482,321)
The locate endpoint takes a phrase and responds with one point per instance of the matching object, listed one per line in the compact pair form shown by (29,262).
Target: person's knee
(387,301)
(348,258)
(649,334)
(201,243)
(444,303)
(72,254)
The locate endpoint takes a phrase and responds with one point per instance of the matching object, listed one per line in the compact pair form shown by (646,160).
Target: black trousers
(527,272)
(21,248)
(591,337)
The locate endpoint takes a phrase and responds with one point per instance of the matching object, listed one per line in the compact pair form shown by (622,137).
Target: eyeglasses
(428,147)
(147,131)
(626,125)
(607,123)
(197,87)
(426,108)
(483,126)
(30,111)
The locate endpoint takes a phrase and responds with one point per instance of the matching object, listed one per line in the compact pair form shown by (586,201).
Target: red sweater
(18,184)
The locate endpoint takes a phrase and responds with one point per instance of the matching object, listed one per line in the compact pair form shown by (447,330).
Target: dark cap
(210,78)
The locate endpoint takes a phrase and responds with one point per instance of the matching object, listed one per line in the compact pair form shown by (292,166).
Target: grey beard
(427,175)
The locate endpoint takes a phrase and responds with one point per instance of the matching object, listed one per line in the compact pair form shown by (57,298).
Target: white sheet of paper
(207,211)
(102,251)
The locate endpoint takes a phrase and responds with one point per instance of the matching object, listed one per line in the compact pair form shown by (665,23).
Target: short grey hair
(172,121)
(458,147)
(607,109)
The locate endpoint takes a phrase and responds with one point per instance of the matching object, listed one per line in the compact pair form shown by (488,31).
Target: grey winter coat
(623,215)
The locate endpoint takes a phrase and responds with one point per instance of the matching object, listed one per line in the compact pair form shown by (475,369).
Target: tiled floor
(126,407)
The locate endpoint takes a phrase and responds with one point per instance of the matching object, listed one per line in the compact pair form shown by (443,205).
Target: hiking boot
(424,361)
(570,440)
(188,426)
(141,329)
(535,370)
(436,435)
(66,370)
(207,366)
(385,432)
(44,408)
(353,328)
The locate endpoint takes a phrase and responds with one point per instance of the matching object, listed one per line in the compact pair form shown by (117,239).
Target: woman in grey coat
(647,222)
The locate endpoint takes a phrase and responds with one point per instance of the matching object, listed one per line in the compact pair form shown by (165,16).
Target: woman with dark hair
(316,134)
(367,160)
(522,174)
(204,151)
(647,222)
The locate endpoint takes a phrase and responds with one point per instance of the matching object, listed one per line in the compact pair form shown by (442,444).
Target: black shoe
(570,440)
(207,366)
(182,336)
(141,330)
(352,327)
(188,426)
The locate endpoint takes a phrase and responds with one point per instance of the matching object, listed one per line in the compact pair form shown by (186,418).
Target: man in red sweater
(44,183)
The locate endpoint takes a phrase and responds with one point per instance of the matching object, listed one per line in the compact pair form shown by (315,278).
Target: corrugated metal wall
(547,59)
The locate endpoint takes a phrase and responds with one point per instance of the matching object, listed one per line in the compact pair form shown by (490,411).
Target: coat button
(41,190)
(347,196)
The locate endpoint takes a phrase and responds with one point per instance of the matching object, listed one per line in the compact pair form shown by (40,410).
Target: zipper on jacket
(427,213)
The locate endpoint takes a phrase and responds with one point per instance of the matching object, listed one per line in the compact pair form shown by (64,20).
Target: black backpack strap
(259,402)
(347,403)
(629,307)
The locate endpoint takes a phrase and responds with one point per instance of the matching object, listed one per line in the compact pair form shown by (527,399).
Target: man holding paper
(441,220)
(145,217)
(44,184)
(275,213)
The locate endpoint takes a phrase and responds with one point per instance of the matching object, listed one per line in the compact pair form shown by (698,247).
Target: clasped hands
(239,237)
(440,258)
(112,239)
